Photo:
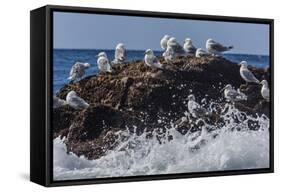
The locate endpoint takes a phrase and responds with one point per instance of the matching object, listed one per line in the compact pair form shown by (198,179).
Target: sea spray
(240,142)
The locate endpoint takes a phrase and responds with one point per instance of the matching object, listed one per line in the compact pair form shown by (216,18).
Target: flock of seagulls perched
(172,49)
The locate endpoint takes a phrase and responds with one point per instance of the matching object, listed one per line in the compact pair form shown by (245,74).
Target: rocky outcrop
(134,97)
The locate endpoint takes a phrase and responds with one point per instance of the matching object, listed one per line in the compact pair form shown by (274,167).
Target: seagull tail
(71,78)
(86,105)
(159,65)
(230,47)
(110,70)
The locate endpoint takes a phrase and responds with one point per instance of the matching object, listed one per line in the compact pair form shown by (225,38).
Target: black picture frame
(41,54)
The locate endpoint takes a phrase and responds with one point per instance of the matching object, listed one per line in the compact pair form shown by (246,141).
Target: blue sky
(92,31)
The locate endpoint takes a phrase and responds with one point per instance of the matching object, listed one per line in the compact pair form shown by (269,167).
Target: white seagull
(189,48)
(246,74)
(177,48)
(78,71)
(232,95)
(265,90)
(214,47)
(163,42)
(151,60)
(57,102)
(76,102)
(103,63)
(195,109)
(169,55)
(201,53)
(120,54)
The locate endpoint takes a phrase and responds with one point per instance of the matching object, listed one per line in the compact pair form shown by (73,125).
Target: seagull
(169,55)
(232,95)
(214,47)
(76,102)
(246,74)
(177,48)
(195,109)
(103,63)
(120,54)
(78,71)
(57,102)
(265,90)
(189,48)
(151,60)
(163,42)
(201,53)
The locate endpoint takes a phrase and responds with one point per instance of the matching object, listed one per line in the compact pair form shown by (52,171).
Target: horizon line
(153,50)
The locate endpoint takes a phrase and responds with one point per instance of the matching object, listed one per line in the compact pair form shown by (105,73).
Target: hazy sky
(92,31)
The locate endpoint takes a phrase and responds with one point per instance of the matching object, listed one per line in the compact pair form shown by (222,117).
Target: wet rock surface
(137,98)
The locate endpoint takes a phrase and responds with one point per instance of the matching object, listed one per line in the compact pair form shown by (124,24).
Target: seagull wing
(169,52)
(218,47)
(190,49)
(120,54)
(79,102)
(178,48)
(163,43)
(265,93)
(103,64)
(249,76)
(156,63)
(74,72)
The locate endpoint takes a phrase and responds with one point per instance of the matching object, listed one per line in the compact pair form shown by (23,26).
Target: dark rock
(62,119)
(89,124)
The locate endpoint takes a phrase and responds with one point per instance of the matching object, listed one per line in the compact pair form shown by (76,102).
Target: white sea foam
(234,147)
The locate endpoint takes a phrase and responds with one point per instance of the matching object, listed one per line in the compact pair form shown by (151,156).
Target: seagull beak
(96,56)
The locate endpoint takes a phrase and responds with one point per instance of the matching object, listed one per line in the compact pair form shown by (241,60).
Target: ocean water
(232,147)
(65,58)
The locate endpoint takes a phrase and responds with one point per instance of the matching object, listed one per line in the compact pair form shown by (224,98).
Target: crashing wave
(241,141)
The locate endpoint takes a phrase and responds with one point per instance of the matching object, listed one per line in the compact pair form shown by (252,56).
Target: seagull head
(188,41)
(172,41)
(148,52)
(71,94)
(210,41)
(120,45)
(101,54)
(199,50)
(243,64)
(166,37)
(87,65)
(191,97)
(264,82)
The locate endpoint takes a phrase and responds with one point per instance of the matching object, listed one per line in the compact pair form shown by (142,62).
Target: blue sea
(65,58)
